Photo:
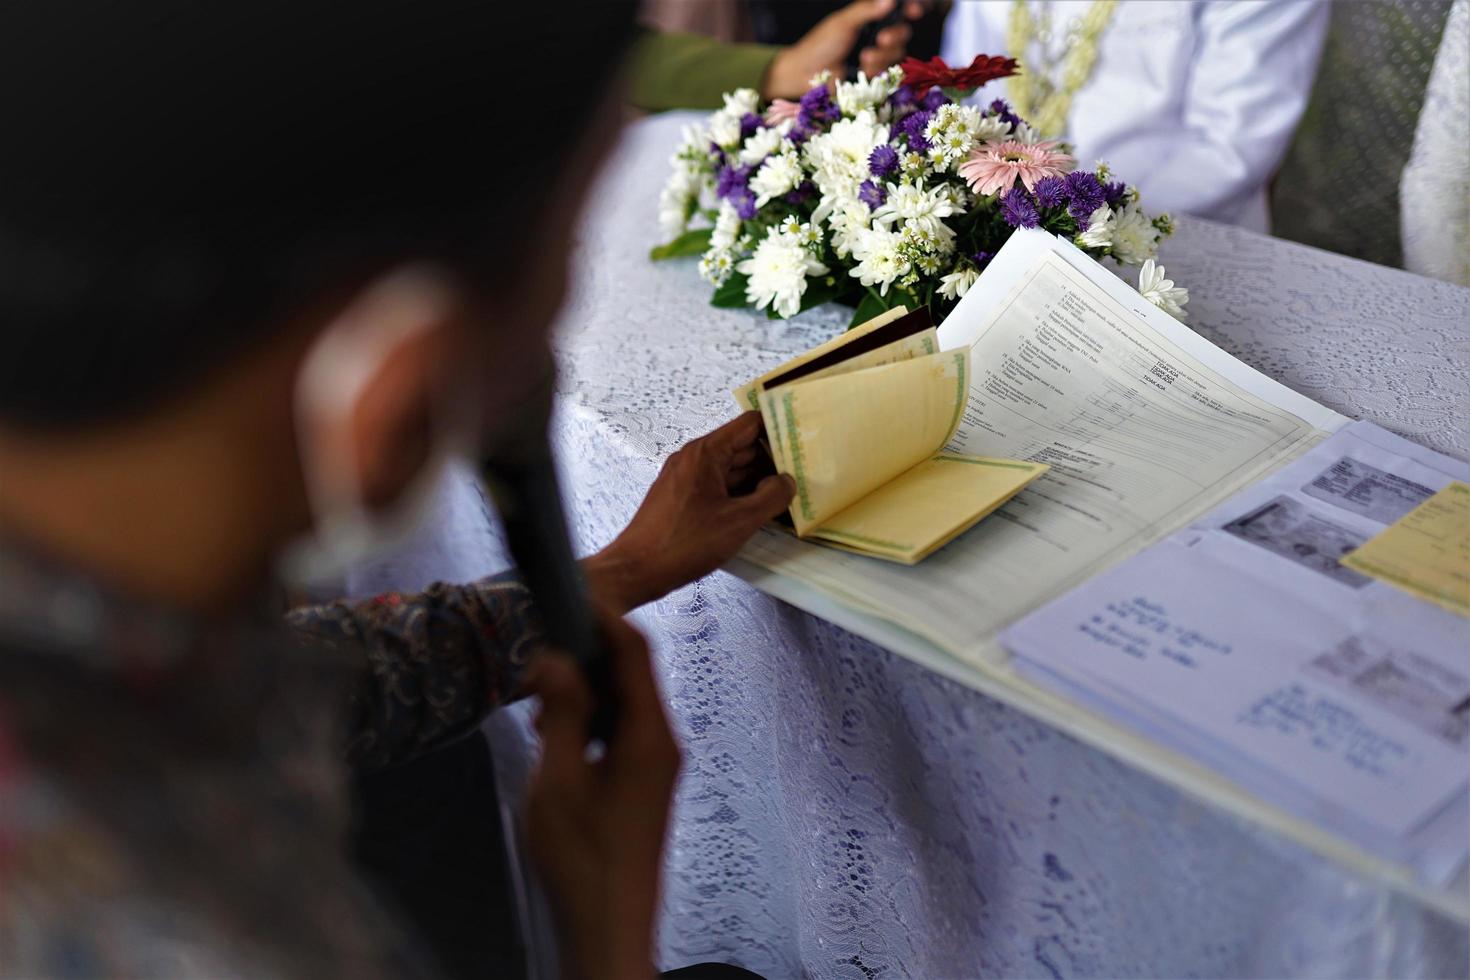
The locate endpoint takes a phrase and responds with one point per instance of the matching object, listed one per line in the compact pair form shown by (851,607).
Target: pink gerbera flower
(994,167)
(781,110)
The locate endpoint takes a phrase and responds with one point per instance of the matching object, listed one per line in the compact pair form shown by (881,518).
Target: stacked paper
(1243,641)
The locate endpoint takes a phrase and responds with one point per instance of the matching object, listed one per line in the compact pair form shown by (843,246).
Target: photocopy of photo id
(1367,491)
(1428,695)
(1285,527)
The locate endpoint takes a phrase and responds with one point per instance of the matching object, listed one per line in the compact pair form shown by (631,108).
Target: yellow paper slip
(1426,552)
(911,517)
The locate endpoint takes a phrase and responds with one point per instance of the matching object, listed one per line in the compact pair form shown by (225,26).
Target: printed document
(1143,423)
(1242,640)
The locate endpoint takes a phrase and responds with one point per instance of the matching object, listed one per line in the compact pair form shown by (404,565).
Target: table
(844,812)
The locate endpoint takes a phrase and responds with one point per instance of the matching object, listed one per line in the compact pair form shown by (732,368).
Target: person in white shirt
(1194,103)
(1435,193)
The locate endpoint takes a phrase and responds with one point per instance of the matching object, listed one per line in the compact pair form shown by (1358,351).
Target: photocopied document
(1426,552)
(1143,424)
(1246,641)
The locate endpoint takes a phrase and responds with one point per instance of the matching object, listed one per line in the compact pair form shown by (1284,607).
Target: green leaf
(871,306)
(822,290)
(694,242)
(732,294)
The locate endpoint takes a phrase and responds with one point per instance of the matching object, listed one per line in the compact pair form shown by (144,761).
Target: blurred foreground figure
(262,268)
(1195,101)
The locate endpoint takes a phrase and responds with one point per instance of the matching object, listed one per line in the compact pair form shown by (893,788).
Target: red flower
(921,76)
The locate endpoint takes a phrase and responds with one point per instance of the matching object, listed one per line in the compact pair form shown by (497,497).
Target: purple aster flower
(749,123)
(817,108)
(1002,110)
(982,259)
(902,97)
(1115,191)
(872,195)
(744,202)
(1051,192)
(803,192)
(882,161)
(911,127)
(731,180)
(1086,194)
(1083,183)
(934,99)
(1018,210)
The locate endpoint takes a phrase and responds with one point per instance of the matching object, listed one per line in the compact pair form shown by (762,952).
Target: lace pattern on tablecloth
(846,813)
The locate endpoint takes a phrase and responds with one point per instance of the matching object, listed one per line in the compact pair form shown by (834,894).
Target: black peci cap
(173,176)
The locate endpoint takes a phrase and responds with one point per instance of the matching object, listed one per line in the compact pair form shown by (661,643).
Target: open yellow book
(860,424)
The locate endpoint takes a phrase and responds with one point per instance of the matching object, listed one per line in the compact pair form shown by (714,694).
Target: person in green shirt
(689,71)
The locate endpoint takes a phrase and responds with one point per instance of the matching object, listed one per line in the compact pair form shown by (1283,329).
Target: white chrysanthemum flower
(958,283)
(1160,291)
(955,130)
(693,146)
(868,93)
(846,218)
(914,166)
(779,175)
(958,196)
(1026,133)
(1134,236)
(778,272)
(741,102)
(881,258)
(716,265)
(838,158)
(761,144)
(928,236)
(724,130)
(912,203)
(676,201)
(820,78)
(1099,233)
(727,226)
(991,128)
(808,234)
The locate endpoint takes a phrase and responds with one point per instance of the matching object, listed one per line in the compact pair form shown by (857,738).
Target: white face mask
(345,532)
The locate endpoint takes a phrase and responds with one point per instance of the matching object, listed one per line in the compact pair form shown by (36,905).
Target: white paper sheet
(1144,423)
(1240,641)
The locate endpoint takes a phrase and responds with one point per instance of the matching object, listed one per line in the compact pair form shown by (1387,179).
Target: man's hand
(826,46)
(596,828)
(709,499)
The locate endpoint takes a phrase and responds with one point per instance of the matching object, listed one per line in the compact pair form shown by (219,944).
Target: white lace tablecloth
(846,813)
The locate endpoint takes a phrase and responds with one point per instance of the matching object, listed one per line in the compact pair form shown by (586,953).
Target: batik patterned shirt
(172,794)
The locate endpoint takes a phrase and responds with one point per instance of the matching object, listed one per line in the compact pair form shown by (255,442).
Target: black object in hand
(522,481)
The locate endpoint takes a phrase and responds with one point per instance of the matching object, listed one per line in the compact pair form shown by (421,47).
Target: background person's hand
(710,497)
(596,829)
(826,46)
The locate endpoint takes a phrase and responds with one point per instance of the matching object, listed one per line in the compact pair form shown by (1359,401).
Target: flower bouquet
(886,191)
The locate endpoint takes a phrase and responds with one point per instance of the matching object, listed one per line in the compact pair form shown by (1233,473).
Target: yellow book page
(747,395)
(842,437)
(910,517)
(903,349)
(1426,552)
